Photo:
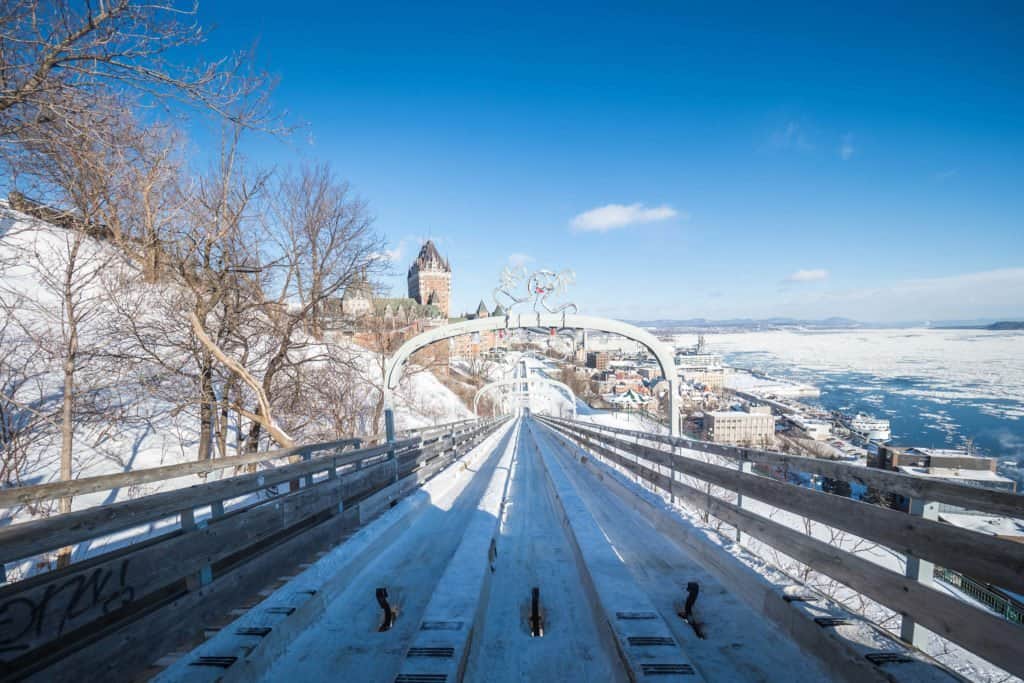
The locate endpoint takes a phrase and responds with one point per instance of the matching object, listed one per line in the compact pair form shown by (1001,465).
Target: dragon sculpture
(541,286)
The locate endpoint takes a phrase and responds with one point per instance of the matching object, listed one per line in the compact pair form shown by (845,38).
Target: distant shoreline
(820,325)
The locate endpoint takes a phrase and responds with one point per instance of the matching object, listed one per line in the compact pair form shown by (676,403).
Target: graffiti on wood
(45,612)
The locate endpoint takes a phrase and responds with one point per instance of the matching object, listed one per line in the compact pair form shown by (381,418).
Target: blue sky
(751,161)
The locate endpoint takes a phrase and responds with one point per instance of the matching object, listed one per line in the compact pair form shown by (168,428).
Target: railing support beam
(921,571)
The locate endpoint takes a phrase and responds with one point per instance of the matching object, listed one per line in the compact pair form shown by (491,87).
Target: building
(430,279)
(632,400)
(756,427)
(712,378)
(819,430)
(599,360)
(489,343)
(957,465)
(358,298)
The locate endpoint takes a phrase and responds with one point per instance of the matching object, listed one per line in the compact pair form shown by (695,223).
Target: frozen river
(937,387)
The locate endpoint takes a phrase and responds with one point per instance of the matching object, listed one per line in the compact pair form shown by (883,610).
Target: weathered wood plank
(121,652)
(37,536)
(58,489)
(21,495)
(43,608)
(984,500)
(987,635)
(157,632)
(100,593)
(982,557)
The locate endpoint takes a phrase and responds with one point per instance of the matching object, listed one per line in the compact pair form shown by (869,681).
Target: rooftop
(956,473)
(430,259)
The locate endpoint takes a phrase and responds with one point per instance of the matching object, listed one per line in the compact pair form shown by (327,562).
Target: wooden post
(919,570)
(187,519)
(389,429)
(307,480)
(636,455)
(672,475)
(332,476)
(745,467)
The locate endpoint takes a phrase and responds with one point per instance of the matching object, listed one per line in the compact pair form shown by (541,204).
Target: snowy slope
(137,428)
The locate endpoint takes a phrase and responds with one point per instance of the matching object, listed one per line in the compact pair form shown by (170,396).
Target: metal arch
(662,352)
(520,380)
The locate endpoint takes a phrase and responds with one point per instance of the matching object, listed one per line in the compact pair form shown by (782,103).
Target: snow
(739,380)
(139,427)
(320,593)
(418,557)
(942,650)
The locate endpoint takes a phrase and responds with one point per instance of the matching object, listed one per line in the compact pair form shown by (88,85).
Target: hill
(135,400)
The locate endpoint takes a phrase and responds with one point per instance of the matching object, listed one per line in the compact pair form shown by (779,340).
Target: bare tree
(55,54)
(324,242)
(213,253)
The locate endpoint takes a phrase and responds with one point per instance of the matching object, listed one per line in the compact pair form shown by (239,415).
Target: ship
(870,428)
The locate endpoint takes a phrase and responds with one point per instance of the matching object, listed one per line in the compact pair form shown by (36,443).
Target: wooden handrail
(983,557)
(1000,503)
(37,493)
(52,617)
(29,538)
(22,495)
(26,539)
(987,635)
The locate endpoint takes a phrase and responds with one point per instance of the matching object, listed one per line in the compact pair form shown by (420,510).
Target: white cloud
(612,216)
(790,136)
(946,175)
(519,259)
(809,275)
(846,148)
(395,255)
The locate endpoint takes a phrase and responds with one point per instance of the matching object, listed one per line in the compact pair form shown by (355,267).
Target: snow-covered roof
(956,473)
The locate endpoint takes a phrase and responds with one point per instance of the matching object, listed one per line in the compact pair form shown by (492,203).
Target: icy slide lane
(739,644)
(534,552)
(346,644)
(608,587)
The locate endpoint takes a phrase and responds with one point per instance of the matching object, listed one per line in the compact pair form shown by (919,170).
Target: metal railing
(1000,604)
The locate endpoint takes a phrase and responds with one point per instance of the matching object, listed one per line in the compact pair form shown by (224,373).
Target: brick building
(430,279)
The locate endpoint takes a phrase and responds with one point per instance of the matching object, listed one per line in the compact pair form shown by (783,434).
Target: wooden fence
(201,549)
(653,457)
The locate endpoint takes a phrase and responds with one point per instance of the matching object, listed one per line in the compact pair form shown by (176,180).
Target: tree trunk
(206,407)
(252,439)
(222,428)
(67,426)
(151,269)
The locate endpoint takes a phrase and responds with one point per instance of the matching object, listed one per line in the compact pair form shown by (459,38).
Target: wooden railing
(653,457)
(202,546)
(25,495)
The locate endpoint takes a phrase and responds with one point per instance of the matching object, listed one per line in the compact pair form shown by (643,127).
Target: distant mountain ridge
(998,326)
(752,323)
(833,323)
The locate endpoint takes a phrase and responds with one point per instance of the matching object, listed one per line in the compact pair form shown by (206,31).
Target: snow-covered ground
(739,380)
(135,423)
(942,650)
(534,549)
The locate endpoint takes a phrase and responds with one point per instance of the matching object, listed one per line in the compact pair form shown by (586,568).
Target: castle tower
(430,279)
